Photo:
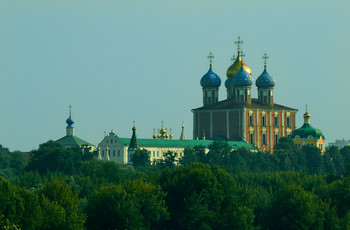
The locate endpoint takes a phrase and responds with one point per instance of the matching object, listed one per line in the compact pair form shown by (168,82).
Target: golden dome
(162,131)
(154,136)
(233,69)
(306,115)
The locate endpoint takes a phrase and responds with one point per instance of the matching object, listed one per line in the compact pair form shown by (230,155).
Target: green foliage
(60,206)
(136,205)
(12,163)
(141,157)
(19,208)
(51,156)
(203,197)
(294,208)
(169,160)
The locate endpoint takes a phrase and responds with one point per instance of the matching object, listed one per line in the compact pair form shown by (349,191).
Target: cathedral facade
(257,121)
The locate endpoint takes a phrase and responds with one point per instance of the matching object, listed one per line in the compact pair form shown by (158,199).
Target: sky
(119,61)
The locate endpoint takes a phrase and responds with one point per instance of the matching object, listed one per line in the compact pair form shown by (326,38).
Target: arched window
(251,138)
(264,141)
(277,121)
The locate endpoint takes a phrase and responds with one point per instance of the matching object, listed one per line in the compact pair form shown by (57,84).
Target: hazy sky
(118,61)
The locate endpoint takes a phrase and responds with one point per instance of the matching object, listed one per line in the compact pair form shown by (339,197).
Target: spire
(170,135)
(133,142)
(70,122)
(183,135)
(306,117)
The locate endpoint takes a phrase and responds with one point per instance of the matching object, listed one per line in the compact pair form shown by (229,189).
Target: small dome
(307,130)
(306,115)
(210,79)
(234,68)
(227,83)
(70,121)
(265,80)
(242,78)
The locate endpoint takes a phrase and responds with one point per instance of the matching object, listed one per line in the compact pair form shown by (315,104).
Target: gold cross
(239,42)
(70,110)
(265,57)
(133,122)
(210,57)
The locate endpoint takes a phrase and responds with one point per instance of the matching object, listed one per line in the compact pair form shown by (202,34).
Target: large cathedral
(258,121)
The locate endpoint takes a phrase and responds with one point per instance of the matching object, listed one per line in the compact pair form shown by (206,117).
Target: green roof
(182,143)
(307,130)
(68,141)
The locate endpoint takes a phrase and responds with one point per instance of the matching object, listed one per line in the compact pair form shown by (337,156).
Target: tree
(19,207)
(169,160)
(51,156)
(60,206)
(219,153)
(294,208)
(313,159)
(136,205)
(141,157)
(201,197)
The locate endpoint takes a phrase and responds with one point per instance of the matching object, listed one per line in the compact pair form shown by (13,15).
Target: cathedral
(258,121)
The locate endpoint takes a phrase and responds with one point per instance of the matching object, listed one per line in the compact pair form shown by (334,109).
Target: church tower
(210,83)
(265,84)
(134,145)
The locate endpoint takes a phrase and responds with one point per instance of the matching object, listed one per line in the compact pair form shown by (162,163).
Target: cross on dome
(265,57)
(70,110)
(233,58)
(210,57)
(238,43)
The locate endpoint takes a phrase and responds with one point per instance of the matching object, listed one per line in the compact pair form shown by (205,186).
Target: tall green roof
(70,141)
(307,130)
(163,143)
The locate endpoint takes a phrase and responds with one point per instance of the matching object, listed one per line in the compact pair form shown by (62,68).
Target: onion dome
(242,78)
(234,68)
(210,79)
(70,122)
(227,83)
(265,80)
(306,115)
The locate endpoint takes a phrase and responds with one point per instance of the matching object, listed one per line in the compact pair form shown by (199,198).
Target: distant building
(340,143)
(70,140)
(115,148)
(308,135)
(260,122)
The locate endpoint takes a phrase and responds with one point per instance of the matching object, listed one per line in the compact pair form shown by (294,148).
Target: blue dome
(242,78)
(265,80)
(210,79)
(70,122)
(227,83)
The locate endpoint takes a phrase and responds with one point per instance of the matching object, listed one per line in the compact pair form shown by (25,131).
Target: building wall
(236,124)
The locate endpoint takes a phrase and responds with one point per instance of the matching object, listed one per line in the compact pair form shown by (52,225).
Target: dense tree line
(58,188)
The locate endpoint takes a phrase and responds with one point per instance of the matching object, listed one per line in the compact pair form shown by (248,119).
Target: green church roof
(307,130)
(69,141)
(163,143)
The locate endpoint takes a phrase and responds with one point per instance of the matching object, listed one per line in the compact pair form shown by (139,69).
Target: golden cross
(70,110)
(265,57)
(133,122)
(210,57)
(239,42)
